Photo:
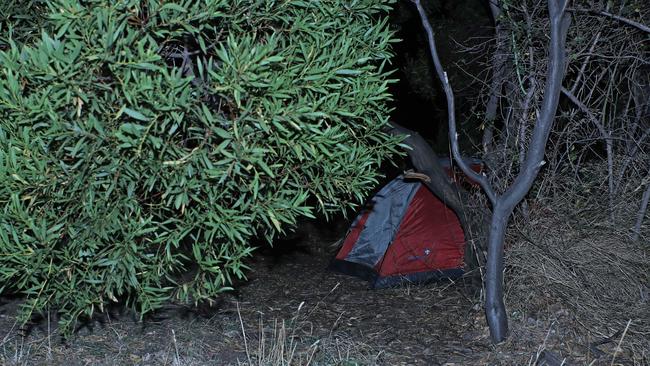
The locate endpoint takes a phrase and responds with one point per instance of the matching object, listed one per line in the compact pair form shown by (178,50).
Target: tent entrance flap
(387,209)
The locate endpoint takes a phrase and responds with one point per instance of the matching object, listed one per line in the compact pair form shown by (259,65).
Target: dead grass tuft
(294,342)
(587,268)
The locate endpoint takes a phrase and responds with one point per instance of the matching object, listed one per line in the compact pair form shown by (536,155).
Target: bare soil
(293,311)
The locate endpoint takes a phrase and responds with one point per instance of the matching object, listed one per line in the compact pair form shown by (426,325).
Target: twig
(583,67)
(627,21)
(631,156)
(177,357)
(642,209)
(49,336)
(618,347)
(243,331)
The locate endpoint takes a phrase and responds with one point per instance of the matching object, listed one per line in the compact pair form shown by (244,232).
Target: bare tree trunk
(504,205)
(522,136)
(425,161)
(495,309)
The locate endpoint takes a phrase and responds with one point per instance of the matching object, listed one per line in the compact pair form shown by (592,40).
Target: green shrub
(144,144)
(20,21)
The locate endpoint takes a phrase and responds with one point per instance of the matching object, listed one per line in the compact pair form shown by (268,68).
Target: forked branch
(503,205)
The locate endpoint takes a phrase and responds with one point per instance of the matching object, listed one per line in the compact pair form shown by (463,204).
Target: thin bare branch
(586,111)
(624,20)
(642,209)
(453,134)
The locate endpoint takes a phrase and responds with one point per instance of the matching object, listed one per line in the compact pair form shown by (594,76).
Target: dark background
(419,101)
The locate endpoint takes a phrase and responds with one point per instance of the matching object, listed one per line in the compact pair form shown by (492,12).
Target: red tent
(405,234)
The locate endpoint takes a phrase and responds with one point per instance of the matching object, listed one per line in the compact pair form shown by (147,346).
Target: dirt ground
(293,311)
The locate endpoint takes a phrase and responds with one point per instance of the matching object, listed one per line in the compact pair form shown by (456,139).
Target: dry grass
(586,268)
(293,341)
(15,354)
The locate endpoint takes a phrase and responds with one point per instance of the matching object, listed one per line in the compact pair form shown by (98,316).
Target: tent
(405,234)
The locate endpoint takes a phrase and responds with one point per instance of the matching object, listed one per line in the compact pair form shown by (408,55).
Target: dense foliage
(20,21)
(144,144)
